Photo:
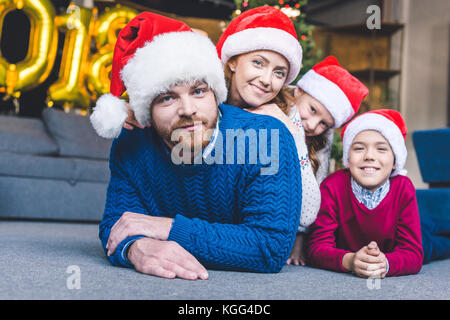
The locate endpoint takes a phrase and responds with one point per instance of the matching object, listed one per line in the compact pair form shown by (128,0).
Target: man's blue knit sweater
(229,216)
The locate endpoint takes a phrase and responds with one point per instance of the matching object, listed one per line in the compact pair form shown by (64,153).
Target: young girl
(368,221)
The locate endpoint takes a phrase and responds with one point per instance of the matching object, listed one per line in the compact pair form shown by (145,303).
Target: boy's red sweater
(345,225)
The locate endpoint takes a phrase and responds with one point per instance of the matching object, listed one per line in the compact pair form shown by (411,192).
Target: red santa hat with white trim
(388,123)
(262,28)
(152,53)
(333,86)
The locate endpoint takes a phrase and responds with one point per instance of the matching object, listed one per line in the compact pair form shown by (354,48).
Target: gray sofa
(52,168)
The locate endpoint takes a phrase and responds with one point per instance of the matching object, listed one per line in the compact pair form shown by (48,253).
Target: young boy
(369,222)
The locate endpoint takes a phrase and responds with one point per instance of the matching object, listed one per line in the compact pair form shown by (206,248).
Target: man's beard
(187,144)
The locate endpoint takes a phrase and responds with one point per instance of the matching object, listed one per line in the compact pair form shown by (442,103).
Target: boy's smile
(370,159)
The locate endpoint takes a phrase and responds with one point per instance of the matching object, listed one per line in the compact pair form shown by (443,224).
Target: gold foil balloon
(77,66)
(70,90)
(38,63)
(110,23)
(99,71)
(107,27)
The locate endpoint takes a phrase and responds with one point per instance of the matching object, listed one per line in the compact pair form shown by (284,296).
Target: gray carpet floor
(50,260)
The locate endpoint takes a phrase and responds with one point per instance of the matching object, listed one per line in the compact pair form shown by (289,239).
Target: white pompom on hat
(152,53)
(262,28)
(388,123)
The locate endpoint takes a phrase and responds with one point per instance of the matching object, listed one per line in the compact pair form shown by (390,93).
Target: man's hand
(166,259)
(297,256)
(133,224)
(367,262)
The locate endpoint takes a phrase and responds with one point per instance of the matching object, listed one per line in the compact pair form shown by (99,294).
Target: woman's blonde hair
(285,100)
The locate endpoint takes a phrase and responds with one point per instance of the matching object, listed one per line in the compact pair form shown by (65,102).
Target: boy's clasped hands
(367,262)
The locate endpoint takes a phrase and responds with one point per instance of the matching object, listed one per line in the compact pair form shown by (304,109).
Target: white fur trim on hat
(329,94)
(265,39)
(169,59)
(387,128)
(108,116)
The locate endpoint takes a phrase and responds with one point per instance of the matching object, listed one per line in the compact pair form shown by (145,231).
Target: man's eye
(199,91)
(164,99)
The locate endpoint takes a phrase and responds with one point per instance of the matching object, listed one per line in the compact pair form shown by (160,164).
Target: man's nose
(187,107)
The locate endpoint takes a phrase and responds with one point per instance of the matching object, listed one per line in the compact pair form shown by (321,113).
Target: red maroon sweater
(345,225)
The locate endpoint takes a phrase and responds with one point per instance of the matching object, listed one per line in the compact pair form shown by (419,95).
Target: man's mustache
(189,122)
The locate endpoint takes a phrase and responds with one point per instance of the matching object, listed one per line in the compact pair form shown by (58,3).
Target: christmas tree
(294,10)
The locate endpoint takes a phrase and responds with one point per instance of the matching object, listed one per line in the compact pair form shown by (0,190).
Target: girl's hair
(284,100)
(314,144)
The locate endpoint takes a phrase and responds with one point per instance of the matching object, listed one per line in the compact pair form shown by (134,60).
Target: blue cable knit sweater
(229,216)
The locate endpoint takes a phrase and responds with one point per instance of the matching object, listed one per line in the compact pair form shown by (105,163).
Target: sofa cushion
(71,170)
(75,135)
(25,135)
(433,154)
(434,203)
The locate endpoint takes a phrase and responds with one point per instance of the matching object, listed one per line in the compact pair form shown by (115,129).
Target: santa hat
(262,28)
(388,123)
(334,87)
(152,53)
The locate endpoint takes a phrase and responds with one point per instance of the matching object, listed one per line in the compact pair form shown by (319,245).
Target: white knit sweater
(310,187)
